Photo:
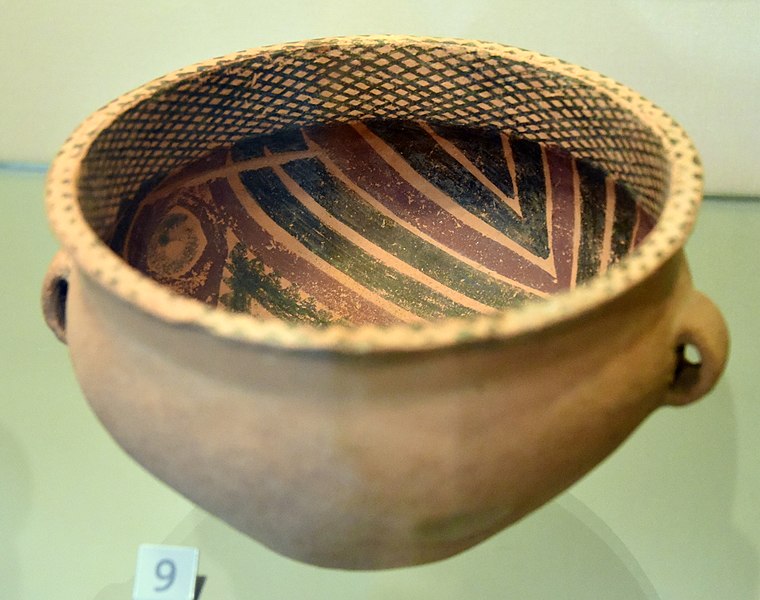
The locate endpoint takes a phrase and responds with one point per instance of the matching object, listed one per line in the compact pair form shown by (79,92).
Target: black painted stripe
(593,205)
(625,221)
(348,207)
(274,198)
(289,140)
(531,193)
(249,280)
(484,149)
(441,169)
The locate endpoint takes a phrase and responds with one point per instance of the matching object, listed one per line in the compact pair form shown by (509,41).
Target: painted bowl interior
(381,222)
(361,182)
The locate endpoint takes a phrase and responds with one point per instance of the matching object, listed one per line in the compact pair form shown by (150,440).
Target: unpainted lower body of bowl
(382,460)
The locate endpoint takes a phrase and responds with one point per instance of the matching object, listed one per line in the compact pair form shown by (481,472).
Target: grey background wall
(698,59)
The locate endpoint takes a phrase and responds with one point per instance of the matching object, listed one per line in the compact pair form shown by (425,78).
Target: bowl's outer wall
(384,459)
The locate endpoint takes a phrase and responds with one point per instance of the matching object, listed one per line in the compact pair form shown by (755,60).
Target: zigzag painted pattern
(380,222)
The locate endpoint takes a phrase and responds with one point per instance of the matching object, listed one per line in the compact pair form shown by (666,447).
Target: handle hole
(688,363)
(58,297)
(690,354)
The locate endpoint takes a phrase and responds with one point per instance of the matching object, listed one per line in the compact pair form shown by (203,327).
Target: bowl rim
(94,258)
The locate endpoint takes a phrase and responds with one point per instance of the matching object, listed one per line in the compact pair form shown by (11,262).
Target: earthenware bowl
(370,300)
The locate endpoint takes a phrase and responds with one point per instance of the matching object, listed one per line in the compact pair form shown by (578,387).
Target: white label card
(165,573)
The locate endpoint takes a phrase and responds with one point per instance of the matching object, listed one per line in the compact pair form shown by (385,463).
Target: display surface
(353,444)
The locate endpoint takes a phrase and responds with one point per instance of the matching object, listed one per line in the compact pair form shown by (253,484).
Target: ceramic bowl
(370,300)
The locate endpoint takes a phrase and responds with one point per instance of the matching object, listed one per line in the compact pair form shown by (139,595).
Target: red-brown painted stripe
(563,215)
(644,224)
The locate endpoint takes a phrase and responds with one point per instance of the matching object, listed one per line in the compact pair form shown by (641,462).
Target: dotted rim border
(90,254)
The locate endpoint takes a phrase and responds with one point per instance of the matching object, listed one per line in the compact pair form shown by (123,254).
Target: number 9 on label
(165,573)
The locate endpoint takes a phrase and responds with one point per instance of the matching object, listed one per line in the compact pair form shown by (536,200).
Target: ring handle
(702,329)
(55,289)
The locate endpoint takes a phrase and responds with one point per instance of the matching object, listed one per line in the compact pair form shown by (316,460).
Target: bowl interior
(380,221)
(363,181)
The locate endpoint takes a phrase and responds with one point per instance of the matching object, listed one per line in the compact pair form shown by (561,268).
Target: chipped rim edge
(92,256)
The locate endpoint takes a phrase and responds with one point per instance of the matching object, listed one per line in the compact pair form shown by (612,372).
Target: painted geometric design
(380,221)
(338,80)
